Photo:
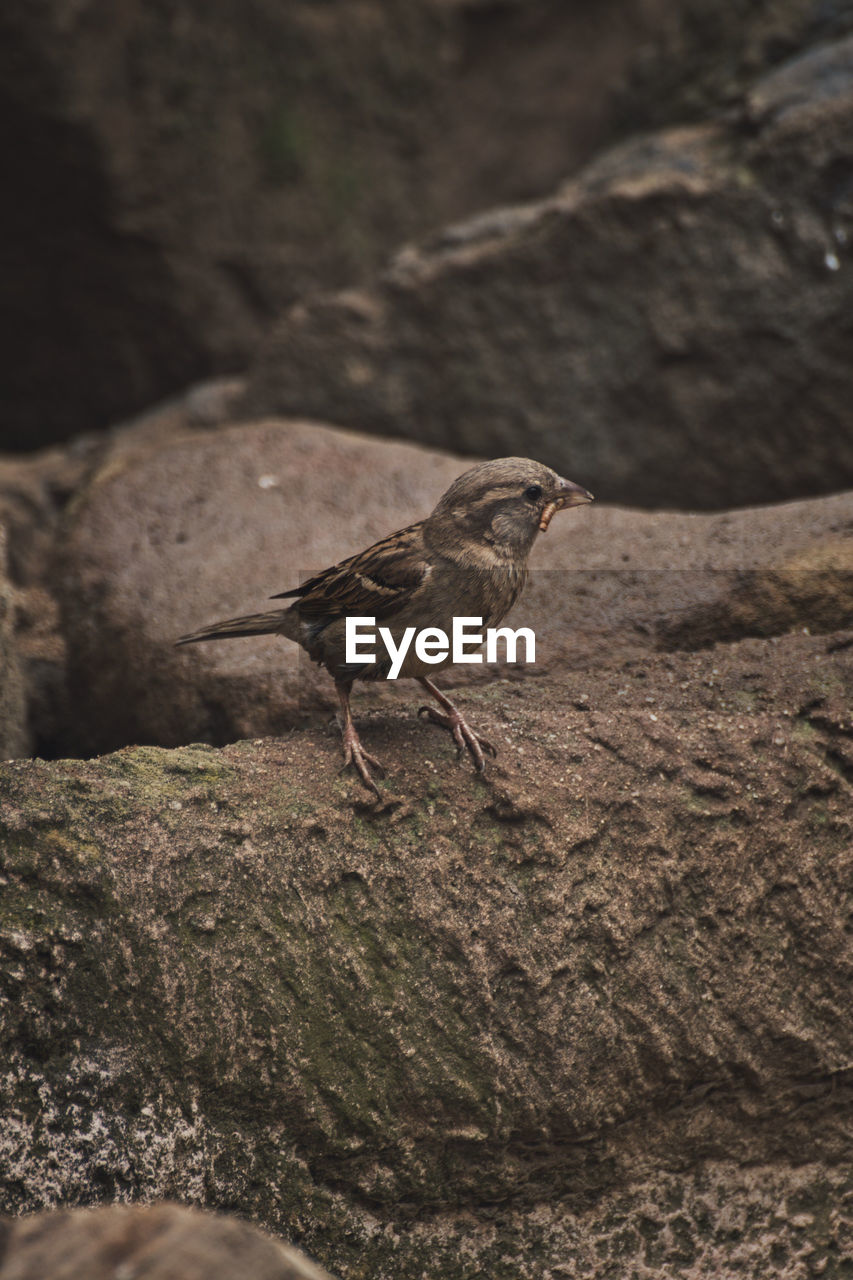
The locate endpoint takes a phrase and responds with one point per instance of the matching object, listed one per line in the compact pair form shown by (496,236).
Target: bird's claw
(362,761)
(462,733)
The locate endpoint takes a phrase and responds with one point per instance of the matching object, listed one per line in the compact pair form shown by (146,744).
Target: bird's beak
(572,495)
(568,495)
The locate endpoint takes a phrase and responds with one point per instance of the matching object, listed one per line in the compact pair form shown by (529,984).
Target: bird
(467,558)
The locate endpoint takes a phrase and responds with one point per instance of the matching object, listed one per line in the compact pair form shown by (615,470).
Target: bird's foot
(462,733)
(361,760)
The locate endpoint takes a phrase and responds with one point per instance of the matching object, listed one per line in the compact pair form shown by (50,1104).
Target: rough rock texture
(162,1242)
(164,541)
(674,324)
(587,1015)
(14,734)
(181,171)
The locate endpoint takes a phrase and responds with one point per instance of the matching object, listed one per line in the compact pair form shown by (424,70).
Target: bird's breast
(500,591)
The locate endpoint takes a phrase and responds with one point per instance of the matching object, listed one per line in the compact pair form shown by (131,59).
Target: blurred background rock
(177,175)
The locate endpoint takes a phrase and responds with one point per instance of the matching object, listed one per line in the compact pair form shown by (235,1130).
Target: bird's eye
(533,492)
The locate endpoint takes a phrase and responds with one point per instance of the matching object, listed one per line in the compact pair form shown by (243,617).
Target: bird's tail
(253,624)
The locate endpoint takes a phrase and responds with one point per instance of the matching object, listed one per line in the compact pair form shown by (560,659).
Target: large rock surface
(162,1242)
(178,172)
(165,539)
(673,324)
(589,1014)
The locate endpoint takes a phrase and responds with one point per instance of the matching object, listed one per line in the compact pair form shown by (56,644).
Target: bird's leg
(452,720)
(354,752)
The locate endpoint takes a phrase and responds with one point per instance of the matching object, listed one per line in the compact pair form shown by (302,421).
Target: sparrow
(467,559)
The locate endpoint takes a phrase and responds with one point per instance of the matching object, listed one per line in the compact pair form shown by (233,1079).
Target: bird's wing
(374,583)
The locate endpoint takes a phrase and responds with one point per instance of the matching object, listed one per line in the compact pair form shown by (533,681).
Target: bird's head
(504,504)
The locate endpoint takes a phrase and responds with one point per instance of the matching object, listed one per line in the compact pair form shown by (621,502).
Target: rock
(166,540)
(671,325)
(36,488)
(14,727)
(35,491)
(159,1242)
(170,199)
(626,582)
(812,590)
(42,655)
(590,1011)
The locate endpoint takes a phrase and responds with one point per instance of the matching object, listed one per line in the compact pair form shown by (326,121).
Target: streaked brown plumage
(467,559)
